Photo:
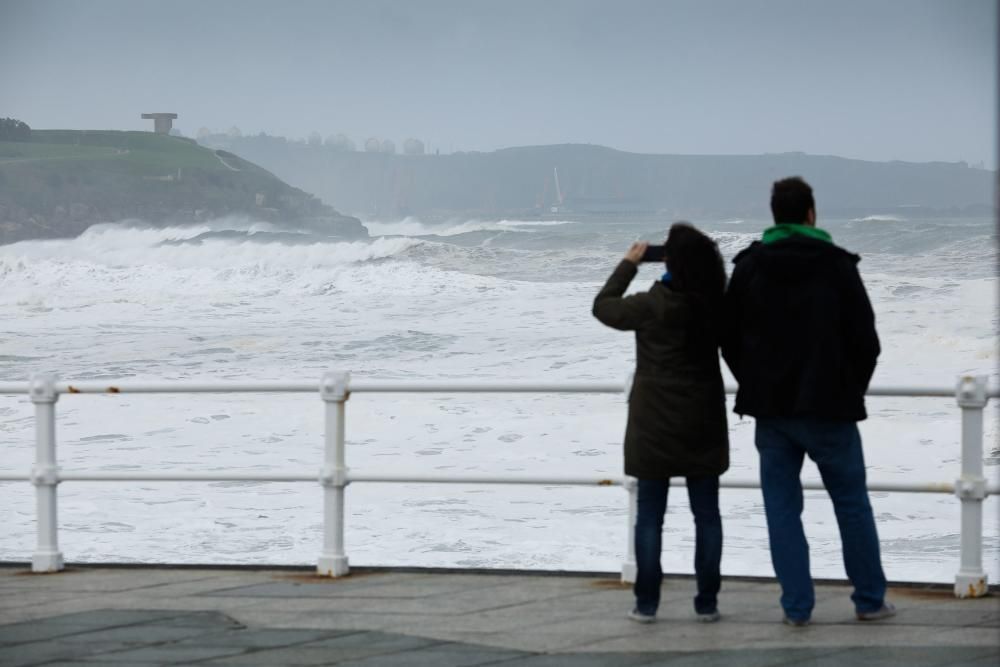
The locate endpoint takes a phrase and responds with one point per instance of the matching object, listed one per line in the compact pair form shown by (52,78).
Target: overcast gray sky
(873,79)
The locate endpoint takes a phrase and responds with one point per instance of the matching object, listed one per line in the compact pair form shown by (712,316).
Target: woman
(677,406)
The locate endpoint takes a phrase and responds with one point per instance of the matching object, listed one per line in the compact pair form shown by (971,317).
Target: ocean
(463,299)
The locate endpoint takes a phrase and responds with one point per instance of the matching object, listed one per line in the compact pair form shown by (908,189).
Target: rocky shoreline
(72,219)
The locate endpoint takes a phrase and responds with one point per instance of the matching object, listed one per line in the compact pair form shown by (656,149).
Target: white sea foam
(118,303)
(414,227)
(882,217)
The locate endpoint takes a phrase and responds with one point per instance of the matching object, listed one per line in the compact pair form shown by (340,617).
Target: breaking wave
(415,227)
(880,218)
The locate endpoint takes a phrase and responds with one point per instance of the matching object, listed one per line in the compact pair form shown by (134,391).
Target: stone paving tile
(352,646)
(978,636)
(857,635)
(224,587)
(101,580)
(47,610)
(464,602)
(214,619)
(126,602)
(911,656)
(200,586)
(68,624)
(402,589)
(580,660)
(955,617)
(990,660)
(41,652)
(263,638)
(439,655)
(361,606)
(23,598)
(109,618)
(693,636)
(451,627)
(164,654)
(294,656)
(264,617)
(357,579)
(496,597)
(362,644)
(939,598)
(63,663)
(748,658)
(534,641)
(22,633)
(145,633)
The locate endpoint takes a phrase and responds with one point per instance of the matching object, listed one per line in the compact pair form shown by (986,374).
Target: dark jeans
(703,494)
(835,446)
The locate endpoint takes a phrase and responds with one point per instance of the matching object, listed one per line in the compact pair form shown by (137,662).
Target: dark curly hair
(696,268)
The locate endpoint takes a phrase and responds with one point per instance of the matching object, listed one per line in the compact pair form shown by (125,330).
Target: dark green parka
(677,407)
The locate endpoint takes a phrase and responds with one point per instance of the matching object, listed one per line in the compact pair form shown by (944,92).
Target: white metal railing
(335,388)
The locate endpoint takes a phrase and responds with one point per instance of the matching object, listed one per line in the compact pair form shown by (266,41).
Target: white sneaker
(639,617)
(888,610)
(710,617)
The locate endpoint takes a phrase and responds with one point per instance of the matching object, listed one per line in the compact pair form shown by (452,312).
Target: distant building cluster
(337,142)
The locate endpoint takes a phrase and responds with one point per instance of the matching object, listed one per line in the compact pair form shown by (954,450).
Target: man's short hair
(791,200)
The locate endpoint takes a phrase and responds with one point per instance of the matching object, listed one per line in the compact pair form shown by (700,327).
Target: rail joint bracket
(970,488)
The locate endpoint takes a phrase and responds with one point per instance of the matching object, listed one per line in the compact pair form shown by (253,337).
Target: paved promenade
(155,616)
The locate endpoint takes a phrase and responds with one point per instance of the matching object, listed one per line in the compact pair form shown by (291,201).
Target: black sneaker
(795,622)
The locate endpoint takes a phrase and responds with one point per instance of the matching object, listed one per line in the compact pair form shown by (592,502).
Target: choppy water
(462,299)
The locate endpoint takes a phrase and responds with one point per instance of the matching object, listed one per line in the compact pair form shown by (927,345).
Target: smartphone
(655,253)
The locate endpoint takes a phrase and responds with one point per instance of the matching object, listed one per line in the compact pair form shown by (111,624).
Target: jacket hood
(795,258)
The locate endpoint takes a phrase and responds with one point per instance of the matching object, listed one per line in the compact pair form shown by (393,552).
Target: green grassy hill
(61,181)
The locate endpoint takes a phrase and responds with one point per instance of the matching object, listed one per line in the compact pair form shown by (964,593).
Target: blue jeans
(835,447)
(703,494)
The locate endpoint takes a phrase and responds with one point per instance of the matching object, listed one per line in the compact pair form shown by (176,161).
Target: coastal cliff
(56,183)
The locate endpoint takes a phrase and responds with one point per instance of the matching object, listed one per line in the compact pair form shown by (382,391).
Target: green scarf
(788,230)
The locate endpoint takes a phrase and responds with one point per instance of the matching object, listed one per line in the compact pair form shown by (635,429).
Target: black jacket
(800,332)
(677,406)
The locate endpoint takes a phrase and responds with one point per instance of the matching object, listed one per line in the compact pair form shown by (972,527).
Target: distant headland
(581,180)
(56,183)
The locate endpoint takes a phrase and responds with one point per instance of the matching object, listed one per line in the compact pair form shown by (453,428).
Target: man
(800,340)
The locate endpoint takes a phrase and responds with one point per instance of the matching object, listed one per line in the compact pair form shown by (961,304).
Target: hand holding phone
(655,253)
(635,252)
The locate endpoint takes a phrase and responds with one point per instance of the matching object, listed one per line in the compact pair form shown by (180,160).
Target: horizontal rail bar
(186,387)
(193,476)
(474,386)
(567,480)
(907,391)
(891,487)
(391,478)
(406,386)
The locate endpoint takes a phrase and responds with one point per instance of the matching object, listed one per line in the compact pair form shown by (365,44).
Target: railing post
(333,477)
(628,567)
(970,582)
(45,475)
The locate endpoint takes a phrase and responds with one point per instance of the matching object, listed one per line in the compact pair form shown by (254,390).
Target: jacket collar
(783,231)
